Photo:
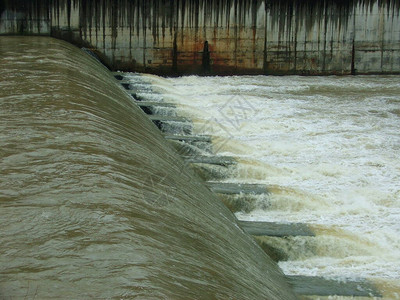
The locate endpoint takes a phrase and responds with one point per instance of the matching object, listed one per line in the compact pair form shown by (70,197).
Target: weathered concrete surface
(243,36)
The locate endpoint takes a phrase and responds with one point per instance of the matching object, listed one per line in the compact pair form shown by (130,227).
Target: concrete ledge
(212,160)
(319,286)
(167,118)
(189,138)
(153,103)
(237,188)
(276,229)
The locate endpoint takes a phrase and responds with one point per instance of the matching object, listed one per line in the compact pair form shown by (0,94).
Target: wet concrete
(222,37)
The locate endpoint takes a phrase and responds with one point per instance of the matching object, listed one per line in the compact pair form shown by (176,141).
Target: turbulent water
(328,147)
(94,204)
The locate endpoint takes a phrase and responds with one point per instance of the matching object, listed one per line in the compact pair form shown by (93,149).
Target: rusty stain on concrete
(168,37)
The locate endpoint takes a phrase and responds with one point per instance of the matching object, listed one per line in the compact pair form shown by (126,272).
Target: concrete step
(189,138)
(126,85)
(163,118)
(319,286)
(118,76)
(237,188)
(212,160)
(275,229)
(154,103)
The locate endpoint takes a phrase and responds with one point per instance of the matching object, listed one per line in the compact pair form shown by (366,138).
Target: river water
(95,204)
(328,147)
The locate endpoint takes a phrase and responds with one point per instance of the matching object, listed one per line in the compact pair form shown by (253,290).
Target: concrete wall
(243,36)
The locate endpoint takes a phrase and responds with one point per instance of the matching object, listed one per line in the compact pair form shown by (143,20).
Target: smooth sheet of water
(328,147)
(95,204)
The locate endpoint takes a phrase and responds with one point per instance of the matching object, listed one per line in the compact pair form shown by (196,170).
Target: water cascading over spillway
(93,201)
(325,150)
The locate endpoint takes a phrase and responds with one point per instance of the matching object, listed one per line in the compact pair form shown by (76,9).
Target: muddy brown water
(94,203)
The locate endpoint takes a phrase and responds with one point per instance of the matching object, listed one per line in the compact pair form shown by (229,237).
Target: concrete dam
(310,37)
(98,202)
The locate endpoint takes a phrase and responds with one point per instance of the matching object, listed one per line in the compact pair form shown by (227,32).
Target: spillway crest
(94,203)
